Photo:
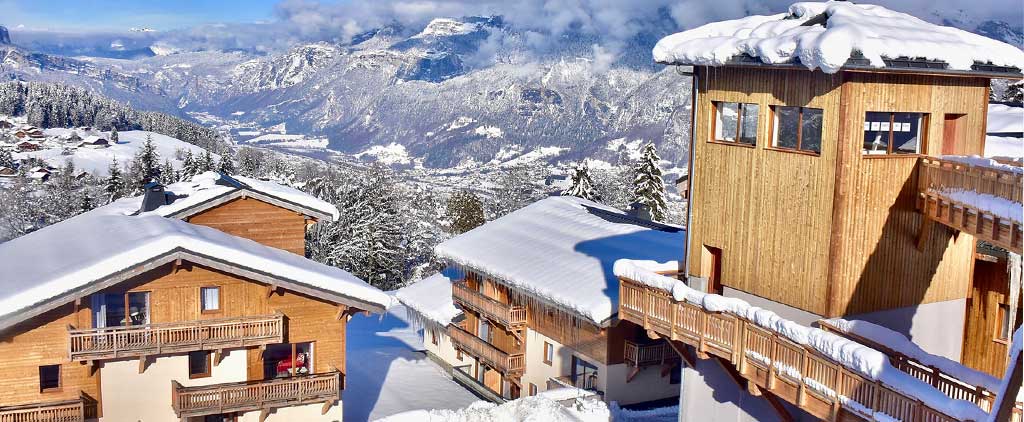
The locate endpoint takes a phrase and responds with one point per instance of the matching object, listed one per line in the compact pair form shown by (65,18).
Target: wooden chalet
(209,294)
(820,195)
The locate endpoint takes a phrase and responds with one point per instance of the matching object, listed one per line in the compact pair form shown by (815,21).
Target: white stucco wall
(309,412)
(146,397)
(538,372)
(646,386)
(709,394)
(936,327)
(444,348)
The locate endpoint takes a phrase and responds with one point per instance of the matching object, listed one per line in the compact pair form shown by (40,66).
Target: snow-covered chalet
(838,197)
(193,302)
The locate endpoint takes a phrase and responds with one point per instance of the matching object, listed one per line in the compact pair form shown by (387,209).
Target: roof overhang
(901,65)
(242,193)
(20,316)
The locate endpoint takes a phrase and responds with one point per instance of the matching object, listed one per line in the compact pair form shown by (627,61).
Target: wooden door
(712,264)
(951,134)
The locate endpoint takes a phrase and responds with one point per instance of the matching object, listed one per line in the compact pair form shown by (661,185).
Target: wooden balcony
(937,178)
(648,354)
(257,395)
(768,361)
(507,315)
(150,339)
(77,410)
(504,362)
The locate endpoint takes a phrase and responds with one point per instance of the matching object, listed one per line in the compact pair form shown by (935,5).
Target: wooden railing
(493,356)
(949,385)
(588,383)
(510,316)
(76,410)
(656,353)
(795,373)
(144,340)
(256,395)
(937,176)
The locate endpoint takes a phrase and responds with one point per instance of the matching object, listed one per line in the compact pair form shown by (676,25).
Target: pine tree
(167,173)
(464,212)
(582,185)
(6,159)
(86,202)
(648,186)
(206,162)
(226,164)
(147,162)
(189,166)
(1014,93)
(113,135)
(114,185)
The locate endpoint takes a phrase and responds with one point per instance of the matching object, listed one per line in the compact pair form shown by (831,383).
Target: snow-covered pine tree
(648,186)
(464,212)
(189,166)
(1014,93)
(582,185)
(167,173)
(114,184)
(6,159)
(250,161)
(147,162)
(227,163)
(113,134)
(206,163)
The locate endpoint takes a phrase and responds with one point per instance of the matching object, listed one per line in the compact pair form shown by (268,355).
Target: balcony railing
(588,383)
(149,339)
(657,353)
(493,356)
(256,395)
(76,410)
(938,181)
(791,371)
(462,376)
(510,316)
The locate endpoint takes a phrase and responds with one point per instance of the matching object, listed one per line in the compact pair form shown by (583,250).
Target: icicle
(1013,267)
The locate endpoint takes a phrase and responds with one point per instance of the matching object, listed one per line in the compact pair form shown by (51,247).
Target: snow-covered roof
(431,298)
(92,139)
(562,249)
(1003,118)
(828,35)
(210,189)
(85,254)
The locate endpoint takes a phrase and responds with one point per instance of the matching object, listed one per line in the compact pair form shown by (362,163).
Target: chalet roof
(431,298)
(562,249)
(210,189)
(87,253)
(837,35)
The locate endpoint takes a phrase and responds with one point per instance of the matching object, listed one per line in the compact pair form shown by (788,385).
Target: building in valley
(835,175)
(539,301)
(193,302)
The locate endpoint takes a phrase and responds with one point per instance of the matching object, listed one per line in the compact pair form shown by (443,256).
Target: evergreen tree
(464,212)
(582,185)
(206,163)
(6,159)
(113,134)
(189,166)
(226,164)
(167,173)
(114,184)
(648,186)
(1014,93)
(250,162)
(87,204)
(147,162)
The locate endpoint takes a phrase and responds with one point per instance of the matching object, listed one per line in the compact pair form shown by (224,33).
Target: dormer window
(736,123)
(888,133)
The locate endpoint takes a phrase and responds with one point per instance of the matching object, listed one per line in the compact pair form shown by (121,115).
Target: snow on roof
(534,408)
(210,186)
(847,31)
(97,160)
(73,255)
(561,249)
(855,356)
(430,297)
(1003,118)
(1004,147)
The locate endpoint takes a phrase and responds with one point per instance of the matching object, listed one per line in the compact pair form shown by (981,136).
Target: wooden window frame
(60,380)
(220,301)
(773,145)
(739,124)
(922,144)
(548,347)
(1002,314)
(209,365)
(532,389)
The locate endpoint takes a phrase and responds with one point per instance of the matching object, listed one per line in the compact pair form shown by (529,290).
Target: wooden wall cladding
(257,220)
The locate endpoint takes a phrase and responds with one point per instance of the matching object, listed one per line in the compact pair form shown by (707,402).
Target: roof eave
(249,193)
(901,66)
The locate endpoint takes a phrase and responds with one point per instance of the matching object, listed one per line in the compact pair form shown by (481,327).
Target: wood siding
(875,263)
(990,288)
(257,220)
(769,211)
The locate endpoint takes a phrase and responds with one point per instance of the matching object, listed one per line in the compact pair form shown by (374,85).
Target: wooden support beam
(753,389)
(143,362)
(342,310)
(632,374)
(684,353)
(271,289)
(780,409)
(327,406)
(925,231)
(264,413)
(217,356)
(651,334)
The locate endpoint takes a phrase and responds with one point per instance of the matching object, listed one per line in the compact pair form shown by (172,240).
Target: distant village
(17,136)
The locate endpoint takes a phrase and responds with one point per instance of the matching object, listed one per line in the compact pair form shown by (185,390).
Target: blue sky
(123,14)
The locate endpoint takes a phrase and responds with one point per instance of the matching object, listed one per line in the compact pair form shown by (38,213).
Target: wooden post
(801,394)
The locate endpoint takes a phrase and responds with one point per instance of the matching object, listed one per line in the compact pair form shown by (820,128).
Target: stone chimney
(641,211)
(153,197)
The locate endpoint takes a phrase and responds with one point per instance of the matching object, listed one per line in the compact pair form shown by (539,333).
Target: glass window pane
(727,117)
(138,308)
(115,310)
(876,133)
(198,363)
(49,377)
(810,133)
(303,358)
(906,133)
(211,298)
(787,120)
(748,133)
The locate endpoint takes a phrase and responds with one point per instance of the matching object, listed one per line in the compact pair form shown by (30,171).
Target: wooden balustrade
(789,370)
(657,353)
(149,339)
(248,396)
(76,410)
(937,177)
(510,316)
(493,356)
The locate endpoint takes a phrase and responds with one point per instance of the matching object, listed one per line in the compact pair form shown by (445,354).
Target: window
(549,353)
(433,337)
(893,133)
(210,299)
(736,122)
(199,364)
(1003,329)
(533,389)
(458,354)
(120,309)
(287,359)
(797,128)
(584,374)
(49,378)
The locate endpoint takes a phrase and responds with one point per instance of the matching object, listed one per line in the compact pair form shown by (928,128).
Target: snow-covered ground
(387,373)
(96,160)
